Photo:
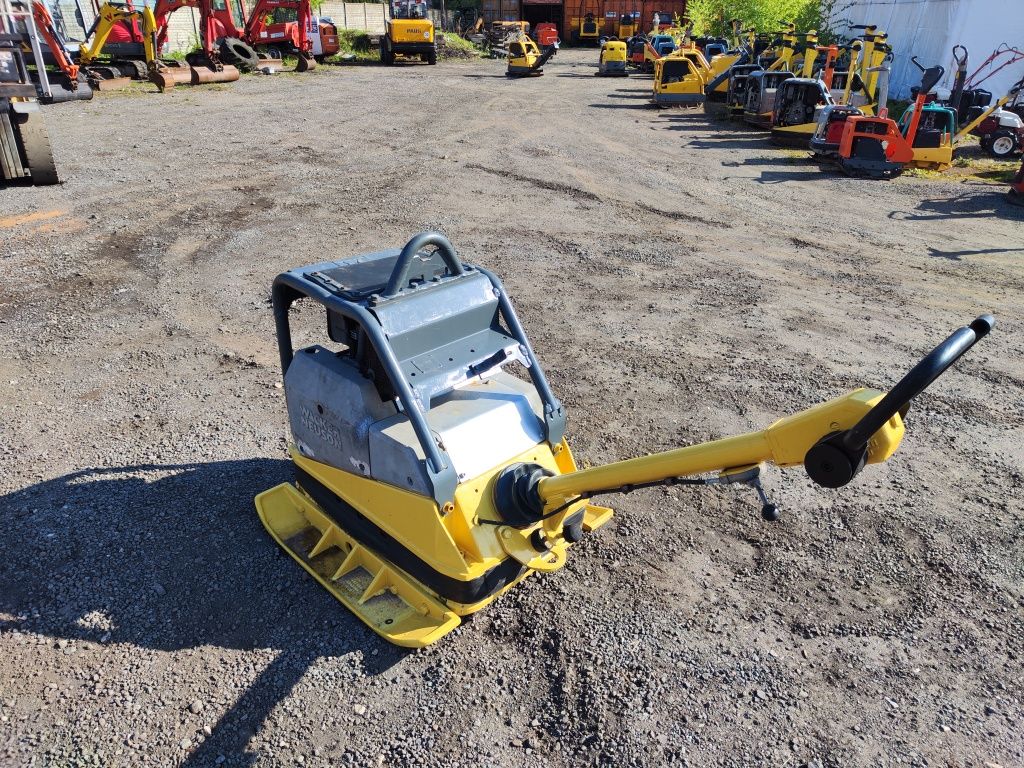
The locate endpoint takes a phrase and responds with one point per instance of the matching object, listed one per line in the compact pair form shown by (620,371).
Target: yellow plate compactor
(430,479)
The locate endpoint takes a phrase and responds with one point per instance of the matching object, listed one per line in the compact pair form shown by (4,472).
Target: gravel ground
(680,281)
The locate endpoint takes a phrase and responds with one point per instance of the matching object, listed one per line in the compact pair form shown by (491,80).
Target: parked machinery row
(125,41)
(832,99)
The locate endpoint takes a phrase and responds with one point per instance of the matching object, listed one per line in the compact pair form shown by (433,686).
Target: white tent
(929,29)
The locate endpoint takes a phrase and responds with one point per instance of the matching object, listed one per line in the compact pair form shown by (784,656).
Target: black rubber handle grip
(961,61)
(400,274)
(917,63)
(933,365)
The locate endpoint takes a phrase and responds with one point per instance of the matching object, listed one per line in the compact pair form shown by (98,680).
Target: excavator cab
(409,33)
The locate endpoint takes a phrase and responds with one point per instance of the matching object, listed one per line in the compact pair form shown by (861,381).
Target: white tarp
(929,29)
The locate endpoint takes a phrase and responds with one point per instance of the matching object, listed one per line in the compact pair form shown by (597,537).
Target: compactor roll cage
(403,272)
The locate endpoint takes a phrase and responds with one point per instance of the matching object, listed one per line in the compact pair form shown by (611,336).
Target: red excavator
(288,26)
(221,36)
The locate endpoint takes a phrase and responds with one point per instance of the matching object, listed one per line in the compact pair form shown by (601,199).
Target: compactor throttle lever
(837,458)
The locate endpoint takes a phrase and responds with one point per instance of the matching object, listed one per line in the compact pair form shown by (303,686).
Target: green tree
(713,17)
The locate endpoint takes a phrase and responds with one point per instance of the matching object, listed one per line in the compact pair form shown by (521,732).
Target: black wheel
(274,53)
(432,57)
(1002,144)
(240,53)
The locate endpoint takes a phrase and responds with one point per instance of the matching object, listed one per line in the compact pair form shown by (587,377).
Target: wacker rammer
(430,480)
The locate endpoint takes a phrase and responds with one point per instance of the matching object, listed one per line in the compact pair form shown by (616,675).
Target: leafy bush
(353,41)
(713,17)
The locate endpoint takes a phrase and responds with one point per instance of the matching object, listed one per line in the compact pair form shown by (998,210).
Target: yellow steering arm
(833,441)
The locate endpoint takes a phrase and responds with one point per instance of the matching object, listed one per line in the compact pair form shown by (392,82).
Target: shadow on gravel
(775,161)
(987,202)
(780,177)
(171,557)
(622,106)
(693,124)
(634,95)
(753,142)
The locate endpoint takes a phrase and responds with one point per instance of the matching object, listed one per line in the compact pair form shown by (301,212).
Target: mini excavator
(146,30)
(430,479)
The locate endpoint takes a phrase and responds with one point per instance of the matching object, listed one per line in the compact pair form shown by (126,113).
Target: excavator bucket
(202,75)
(305,63)
(111,83)
(63,89)
(167,77)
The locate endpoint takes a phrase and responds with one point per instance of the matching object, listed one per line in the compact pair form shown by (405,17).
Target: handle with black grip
(837,458)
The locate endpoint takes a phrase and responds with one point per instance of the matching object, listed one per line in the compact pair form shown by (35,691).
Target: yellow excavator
(429,480)
(106,73)
(409,33)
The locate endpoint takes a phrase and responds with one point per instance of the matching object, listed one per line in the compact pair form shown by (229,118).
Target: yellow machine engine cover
(613,50)
(679,78)
(718,65)
(411,31)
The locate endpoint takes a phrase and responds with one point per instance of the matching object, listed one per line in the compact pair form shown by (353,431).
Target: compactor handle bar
(933,365)
(400,274)
(961,61)
(837,458)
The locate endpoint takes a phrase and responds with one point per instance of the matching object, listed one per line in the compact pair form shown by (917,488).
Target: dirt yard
(680,280)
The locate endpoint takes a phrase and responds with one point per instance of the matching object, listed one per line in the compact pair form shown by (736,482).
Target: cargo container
(566,14)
